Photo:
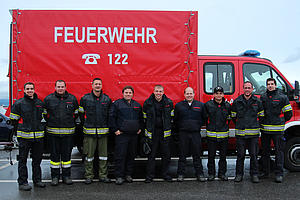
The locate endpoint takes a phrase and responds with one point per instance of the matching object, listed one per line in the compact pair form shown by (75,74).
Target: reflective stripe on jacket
(30,135)
(61,131)
(94,131)
(217,135)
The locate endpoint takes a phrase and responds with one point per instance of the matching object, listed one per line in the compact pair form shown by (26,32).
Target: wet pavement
(189,189)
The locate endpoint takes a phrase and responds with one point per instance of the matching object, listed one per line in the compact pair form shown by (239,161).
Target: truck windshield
(258,74)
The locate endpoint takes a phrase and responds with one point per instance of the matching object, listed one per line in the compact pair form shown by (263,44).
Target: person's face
(158,93)
(29,90)
(97,86)
(60,88)
(248,89)
(189,94)
(218,96)
(127,94)
(271,85)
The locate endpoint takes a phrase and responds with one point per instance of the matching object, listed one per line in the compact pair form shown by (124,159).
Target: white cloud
(295,56)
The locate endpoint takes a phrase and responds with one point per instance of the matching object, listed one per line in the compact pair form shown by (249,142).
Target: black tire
(292,154)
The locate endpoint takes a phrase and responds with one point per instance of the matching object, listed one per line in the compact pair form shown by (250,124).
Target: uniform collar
(61,96)
(28,98)
(95,95)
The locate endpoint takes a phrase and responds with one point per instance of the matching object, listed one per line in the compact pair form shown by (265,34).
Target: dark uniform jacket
(247,115)
(275,103)
(61,113)
(96,111)
(31,112)
(126,117)
(217,118)
(189,118)
(149,115)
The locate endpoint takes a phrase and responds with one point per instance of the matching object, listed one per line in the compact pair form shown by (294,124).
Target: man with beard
(247,109)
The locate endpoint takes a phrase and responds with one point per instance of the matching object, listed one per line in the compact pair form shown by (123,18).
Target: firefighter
(247,111)
(30,134)
(126,121)
(158,111)
(275,103)
(189,116)
(95,107)
(61,112)
(218,116)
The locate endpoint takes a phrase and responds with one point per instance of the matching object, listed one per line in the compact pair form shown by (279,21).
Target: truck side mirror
(1,120)
(296,92)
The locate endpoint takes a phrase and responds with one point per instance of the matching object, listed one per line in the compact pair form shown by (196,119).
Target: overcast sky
(226,27)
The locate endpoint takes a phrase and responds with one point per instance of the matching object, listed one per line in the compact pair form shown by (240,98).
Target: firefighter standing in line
(245,112)
(61,112)
(30,135)
(218,115)
(95,106)
(126,121)
(275,103)
(189,116)
(158,111)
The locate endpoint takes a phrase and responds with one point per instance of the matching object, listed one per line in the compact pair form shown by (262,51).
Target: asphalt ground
(189,189)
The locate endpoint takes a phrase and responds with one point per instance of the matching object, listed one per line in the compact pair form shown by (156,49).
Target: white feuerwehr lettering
(105,35)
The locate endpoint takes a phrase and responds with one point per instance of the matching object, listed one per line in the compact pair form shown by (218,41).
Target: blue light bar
(251,53)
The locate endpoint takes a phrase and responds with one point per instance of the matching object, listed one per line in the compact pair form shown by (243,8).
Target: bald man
(189,116)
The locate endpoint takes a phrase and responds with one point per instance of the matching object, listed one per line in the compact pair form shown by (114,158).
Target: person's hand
(139,131)
(118,132)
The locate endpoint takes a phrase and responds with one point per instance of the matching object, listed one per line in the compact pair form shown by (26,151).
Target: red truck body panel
(138,48)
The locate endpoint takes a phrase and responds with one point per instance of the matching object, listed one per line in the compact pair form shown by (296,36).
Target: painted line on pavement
(113,180)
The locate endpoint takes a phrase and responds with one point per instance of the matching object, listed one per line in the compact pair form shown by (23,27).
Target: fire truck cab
(231,72)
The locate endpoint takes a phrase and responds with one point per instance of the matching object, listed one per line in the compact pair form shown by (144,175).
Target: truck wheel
(292,154)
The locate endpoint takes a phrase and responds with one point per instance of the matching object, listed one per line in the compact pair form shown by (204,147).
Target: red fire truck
(138,48)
